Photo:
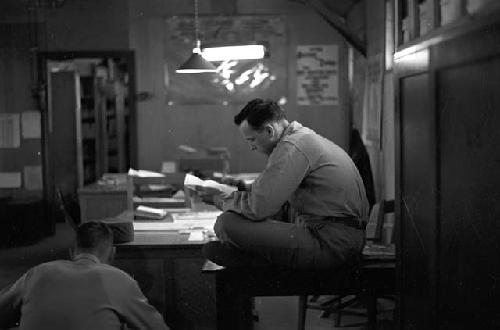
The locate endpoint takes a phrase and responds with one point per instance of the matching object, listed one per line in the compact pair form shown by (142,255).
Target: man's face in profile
(259,140)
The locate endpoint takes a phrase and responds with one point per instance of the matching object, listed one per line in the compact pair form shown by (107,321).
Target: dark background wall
(139,25)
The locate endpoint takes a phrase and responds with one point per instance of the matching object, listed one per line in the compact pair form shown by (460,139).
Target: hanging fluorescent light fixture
(240,52)
(196,63)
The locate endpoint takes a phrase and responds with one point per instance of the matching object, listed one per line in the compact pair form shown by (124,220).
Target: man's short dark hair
(259,112)
(93,234)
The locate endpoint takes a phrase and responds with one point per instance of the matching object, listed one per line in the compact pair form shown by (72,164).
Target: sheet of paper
(196,235)
(168,167)
(31,125)
(193,181)
(186,225)
(10,179)
(33,177)
(9,130)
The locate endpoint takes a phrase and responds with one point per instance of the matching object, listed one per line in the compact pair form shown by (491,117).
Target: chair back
(375,226)
(63,207)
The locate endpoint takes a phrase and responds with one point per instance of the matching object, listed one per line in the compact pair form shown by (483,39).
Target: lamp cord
(196,23)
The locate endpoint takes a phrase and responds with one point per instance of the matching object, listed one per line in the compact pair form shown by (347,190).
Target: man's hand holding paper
(207,189)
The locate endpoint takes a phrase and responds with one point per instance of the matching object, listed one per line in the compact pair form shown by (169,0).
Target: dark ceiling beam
(338,23)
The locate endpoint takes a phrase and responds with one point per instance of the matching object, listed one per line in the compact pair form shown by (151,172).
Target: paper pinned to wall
(10,179)
(9,130)
(317,75)
(33,177)
(31,127)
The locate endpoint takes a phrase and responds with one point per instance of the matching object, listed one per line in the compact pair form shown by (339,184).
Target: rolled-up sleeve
(286,168)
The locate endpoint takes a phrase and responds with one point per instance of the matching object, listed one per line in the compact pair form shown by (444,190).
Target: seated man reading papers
(305,171)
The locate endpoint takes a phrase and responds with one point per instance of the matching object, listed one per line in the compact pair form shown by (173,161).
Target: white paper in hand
(192,181)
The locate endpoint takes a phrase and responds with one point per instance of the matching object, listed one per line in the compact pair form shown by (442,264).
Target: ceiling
(340,7)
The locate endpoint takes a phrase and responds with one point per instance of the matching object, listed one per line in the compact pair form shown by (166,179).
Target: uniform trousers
(326,243)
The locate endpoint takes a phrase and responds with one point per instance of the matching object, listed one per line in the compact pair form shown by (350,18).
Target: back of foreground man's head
(95,237)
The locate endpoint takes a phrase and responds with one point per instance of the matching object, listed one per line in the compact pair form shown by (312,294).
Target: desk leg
(234,310)
(372,311)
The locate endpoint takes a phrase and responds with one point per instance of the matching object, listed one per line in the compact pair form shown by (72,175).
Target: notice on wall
(31,124)
(372,103)
(33,177)
(10,180)
(317,75)
(9,130)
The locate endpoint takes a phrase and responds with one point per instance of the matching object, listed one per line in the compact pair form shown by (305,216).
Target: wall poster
(317,75)
(372,105)
(10,136)
(236,82)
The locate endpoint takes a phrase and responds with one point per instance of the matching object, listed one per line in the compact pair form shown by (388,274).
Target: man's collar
(87,256)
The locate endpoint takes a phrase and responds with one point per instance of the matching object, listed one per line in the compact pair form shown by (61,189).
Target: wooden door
(62,138)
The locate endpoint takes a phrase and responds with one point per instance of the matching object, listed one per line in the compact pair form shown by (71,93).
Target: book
(192,181)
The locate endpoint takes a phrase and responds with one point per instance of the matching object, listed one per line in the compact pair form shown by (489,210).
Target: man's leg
(261,242)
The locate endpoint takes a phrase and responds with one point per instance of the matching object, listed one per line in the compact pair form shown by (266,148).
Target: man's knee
(225,224)
(211,249)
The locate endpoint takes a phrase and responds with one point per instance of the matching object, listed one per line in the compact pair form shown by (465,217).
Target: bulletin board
(243,80)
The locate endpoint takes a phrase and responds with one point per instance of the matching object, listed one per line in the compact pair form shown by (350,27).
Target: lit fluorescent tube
(244,52)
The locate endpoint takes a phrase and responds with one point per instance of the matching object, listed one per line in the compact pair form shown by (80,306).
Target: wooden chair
(63,208)
(338,304)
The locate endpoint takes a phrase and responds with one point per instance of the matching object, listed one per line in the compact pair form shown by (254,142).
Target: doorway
(88,122)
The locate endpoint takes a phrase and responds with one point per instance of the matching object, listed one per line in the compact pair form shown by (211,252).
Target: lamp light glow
(226,53)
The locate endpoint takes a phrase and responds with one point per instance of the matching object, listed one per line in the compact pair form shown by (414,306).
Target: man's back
(83,294)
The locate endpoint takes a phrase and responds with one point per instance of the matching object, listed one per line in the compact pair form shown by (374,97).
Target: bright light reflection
(244,52)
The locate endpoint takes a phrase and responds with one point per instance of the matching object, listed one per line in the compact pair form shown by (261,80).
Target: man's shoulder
(115,272)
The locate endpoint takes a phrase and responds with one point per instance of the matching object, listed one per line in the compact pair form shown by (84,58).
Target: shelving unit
(103,122)
(418,19)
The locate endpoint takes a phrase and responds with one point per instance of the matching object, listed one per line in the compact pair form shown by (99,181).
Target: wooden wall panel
(418,202)
(468,105)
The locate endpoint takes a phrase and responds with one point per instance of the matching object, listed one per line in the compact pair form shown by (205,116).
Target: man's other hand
(207,194)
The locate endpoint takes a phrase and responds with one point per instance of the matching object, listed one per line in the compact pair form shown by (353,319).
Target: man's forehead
(246,129)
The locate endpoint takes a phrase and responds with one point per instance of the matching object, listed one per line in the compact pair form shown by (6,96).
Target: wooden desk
(168,269)
(101,201)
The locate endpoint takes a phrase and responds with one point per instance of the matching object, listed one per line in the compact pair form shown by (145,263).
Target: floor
(274,313)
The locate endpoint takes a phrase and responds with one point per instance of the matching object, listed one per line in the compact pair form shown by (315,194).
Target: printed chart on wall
(317,75)
(236,81)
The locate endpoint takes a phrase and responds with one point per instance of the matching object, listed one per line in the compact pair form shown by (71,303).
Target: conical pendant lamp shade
(196,64)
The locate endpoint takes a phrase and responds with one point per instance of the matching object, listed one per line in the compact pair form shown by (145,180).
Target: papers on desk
(150,212)
(191,181)
(185,222)
(195,216)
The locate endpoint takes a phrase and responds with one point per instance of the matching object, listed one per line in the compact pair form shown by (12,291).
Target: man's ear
(270,130)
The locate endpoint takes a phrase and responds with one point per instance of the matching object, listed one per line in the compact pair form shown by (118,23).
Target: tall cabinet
(104,115)
(87,123)
(447,78)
